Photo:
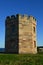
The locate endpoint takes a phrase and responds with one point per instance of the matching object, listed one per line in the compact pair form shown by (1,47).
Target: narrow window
(34,43)
(34,29)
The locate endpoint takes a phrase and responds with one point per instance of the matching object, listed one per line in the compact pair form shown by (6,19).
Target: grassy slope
(21,59)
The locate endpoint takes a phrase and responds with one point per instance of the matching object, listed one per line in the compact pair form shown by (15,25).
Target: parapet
(10,17)
(21,17)
(31,17)
(26,16)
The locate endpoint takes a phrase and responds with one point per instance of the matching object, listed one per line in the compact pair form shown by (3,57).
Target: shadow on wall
(12,34)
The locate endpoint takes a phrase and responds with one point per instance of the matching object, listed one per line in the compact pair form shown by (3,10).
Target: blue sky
(29,7)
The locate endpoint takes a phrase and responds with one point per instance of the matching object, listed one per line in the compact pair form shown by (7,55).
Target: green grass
(21,59)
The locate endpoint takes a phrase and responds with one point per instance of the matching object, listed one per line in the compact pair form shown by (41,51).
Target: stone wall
(27,36)
(20,34)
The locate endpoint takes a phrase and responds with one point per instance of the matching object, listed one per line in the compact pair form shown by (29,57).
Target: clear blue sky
(29,7)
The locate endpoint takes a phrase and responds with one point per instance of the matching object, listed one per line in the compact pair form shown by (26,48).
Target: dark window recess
(34,43)
(34,29)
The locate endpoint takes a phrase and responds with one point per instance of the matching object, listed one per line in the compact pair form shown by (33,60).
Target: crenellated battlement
(20,34)
(20,16)
(26,17)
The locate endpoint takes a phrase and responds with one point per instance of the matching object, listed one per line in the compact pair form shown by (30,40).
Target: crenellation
(22,34)
(13,17)
(8,17)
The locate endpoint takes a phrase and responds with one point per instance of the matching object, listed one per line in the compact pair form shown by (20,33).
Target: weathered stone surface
(21,34)
(27,36)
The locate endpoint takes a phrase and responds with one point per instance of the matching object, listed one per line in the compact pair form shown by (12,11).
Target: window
(34,29)
(34,43)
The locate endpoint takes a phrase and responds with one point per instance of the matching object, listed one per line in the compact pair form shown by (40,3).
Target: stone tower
(20,34)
